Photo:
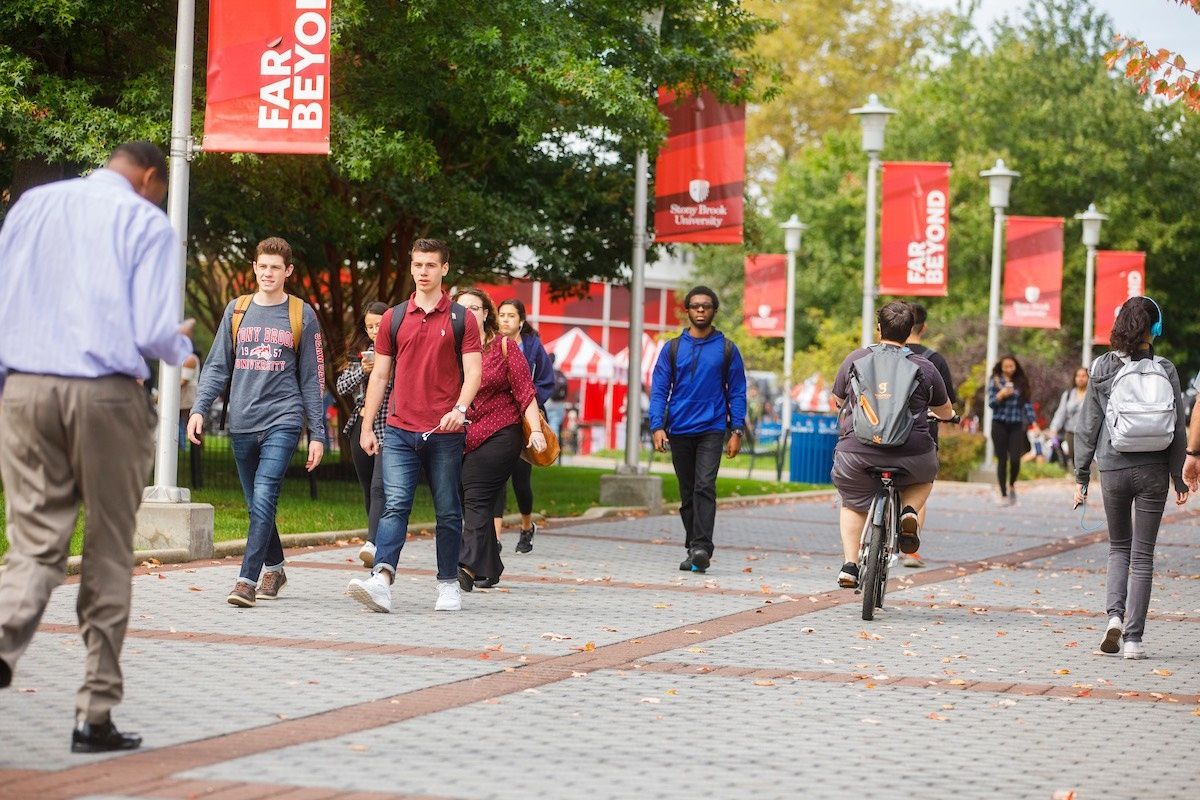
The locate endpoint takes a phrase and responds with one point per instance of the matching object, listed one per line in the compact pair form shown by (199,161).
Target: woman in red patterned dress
(494,441)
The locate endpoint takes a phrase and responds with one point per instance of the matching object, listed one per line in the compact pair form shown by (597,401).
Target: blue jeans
(262,457)
(404,454)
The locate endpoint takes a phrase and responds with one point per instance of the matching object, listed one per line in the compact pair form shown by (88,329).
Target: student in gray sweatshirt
(275,393)
(1134,481)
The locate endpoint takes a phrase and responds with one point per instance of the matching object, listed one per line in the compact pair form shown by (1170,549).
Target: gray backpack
(881,385)
(1140,416)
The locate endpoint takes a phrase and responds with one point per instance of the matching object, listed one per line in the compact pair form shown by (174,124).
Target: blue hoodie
(698,403)
(540,366)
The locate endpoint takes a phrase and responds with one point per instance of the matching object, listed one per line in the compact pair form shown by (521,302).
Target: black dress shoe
(486,583)
(5,674)
(700,559)
(102,738)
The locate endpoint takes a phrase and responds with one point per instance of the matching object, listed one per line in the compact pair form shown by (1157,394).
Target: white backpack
(1141,409)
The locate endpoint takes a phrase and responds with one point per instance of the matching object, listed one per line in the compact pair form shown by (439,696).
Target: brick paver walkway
(598,670)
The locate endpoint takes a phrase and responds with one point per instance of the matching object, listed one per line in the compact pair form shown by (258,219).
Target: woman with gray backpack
(1132,424)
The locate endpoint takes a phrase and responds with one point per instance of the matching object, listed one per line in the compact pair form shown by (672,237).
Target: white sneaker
(366,554)
(375,593)
(449,596)
(1112,636)
(1134,650)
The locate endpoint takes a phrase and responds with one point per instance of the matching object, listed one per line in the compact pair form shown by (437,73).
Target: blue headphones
(1157,328)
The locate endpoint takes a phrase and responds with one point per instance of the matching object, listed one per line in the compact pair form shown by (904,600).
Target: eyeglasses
(471,308)
(701,306)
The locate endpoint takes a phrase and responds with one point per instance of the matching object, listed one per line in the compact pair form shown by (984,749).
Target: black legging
(522,481)
(369,470)
(1008,439)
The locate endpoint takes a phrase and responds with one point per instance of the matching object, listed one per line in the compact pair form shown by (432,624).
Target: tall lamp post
(874,116)
(792,230)
(1091,220)
(1000,180)
(637,290)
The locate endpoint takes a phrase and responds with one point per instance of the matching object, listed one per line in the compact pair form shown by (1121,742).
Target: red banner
(1120,275)
(268,76)
(1033,272)
(915,230)
(766,295)
(701,171)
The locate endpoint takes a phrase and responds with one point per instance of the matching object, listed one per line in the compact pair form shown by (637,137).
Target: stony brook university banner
(1120,275)
(701,171)
(1033,272)
(915,229)
(268,76)
(765,295)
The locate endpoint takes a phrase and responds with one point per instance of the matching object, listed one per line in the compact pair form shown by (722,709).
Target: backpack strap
(235,322)
(458,325)
(398,314)
(296,320)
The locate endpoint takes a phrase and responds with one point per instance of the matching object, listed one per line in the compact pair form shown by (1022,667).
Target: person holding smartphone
(1008,395)
(352,383)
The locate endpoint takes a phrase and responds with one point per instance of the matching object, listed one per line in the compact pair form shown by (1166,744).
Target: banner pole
(637,290)
(868,297)
(166,457)
(993,334)
(1089,303)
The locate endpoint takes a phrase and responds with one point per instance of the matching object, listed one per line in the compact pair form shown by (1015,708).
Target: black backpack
(458,324)
(560,386)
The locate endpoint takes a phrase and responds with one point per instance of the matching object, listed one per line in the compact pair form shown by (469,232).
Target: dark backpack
(560,386)
(881,384)
(458,324)
(673,356)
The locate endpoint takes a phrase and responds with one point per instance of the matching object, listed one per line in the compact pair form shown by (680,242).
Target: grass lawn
(558,492)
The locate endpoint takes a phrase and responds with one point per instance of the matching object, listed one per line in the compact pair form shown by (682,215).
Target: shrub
(959,452)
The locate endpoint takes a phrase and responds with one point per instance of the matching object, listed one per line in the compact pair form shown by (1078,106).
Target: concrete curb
(236,547)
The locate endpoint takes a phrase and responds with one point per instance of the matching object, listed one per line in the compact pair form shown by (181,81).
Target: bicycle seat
(877,471)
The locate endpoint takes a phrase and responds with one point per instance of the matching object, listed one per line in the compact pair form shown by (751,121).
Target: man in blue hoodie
(697,399)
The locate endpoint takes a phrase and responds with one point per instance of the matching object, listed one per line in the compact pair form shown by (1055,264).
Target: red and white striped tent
(579,356)
(651,348)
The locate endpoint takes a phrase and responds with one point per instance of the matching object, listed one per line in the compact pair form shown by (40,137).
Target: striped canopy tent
(578,356)
(651,348)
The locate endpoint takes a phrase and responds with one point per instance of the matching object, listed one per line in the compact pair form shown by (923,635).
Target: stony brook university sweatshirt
(275,383)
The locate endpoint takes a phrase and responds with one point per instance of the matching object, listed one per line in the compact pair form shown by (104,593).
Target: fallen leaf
(29,690)
(957,682)
(672,692)
(869,636)
(579,674)
(650,700)
(764,683)
(937,716)
(1166,673)
(555,637)
(662,605)
(195,589)
(358,748)
(694,631)
(1062,672)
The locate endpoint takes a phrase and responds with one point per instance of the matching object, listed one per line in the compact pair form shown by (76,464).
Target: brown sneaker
(270,584)
(242,595)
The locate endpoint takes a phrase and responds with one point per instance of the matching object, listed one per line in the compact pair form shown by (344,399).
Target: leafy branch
(1160,71)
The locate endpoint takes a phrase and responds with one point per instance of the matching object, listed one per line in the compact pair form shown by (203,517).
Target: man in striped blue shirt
(90,278)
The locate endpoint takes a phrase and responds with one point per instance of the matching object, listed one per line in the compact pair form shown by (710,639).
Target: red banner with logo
(701,171)
(268,76)
(915,230)
(1120,275)
(1033,272)
(765,309)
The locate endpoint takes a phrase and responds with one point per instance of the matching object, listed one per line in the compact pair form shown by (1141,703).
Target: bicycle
(880,534)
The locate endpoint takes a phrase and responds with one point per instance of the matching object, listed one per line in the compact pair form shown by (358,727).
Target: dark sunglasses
(701,306)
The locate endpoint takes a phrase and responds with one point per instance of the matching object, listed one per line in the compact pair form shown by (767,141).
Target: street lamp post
(637,290)
(792,229)
(1091,220)
(874,117)
(1000,180)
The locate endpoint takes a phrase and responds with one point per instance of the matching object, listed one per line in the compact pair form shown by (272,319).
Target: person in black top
(920,326)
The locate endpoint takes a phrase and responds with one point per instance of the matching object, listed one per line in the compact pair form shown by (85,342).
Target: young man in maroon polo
(436,380)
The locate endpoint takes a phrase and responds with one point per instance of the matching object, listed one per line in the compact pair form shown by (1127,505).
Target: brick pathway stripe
(143,767)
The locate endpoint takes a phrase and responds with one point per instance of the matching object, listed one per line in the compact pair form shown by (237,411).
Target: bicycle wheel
(890,530)
(869,577)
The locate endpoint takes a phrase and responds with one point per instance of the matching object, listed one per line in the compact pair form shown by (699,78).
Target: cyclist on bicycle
(877,384)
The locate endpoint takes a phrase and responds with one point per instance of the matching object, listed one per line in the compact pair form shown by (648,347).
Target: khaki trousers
(66,441)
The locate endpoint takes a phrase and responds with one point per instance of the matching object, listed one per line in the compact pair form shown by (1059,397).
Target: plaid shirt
(1012,409)
(352,381)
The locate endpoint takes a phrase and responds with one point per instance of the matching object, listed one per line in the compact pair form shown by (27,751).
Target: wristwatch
(461,409)
(1193,453)
(737,432)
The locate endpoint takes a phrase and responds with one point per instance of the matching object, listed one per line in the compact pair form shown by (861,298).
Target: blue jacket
(541,366)
(698,402)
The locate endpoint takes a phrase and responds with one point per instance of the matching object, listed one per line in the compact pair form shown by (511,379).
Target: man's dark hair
(919,315)
(704,290)
(145,154)
(431,246)
(1133,322)
(895,321)
(275,246)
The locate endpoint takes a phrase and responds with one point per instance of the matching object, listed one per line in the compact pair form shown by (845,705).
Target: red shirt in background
(505,391)
(426,369)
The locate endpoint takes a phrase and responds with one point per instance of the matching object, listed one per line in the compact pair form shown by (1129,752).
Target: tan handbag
(548,456)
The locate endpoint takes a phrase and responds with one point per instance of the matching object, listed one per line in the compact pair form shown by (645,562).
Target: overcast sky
(1161,23)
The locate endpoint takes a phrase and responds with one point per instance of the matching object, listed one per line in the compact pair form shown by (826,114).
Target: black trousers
(1009,441)
(369,470)
(485,471)
(522,481)
(696,460)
